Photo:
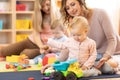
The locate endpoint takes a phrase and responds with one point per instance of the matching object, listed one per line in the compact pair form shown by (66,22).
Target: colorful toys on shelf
(20,7)
(49,59)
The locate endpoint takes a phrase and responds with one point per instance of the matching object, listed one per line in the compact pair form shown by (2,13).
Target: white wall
(111,6)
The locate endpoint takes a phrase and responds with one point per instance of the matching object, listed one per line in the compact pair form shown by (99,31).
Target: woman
(41,31)
(101,29)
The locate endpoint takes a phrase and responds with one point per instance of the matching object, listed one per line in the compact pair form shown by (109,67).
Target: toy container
(20,37)
(1,24)
(23,24)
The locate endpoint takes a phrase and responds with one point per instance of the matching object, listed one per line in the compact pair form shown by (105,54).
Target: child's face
(57,33)
(79,34)
(46,7)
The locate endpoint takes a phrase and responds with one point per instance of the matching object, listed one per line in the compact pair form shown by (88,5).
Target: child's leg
(17,48)
(36,59)
(107,69)
(91,72)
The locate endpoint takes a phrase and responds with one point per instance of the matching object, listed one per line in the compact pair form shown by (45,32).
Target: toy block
(49,59)
(23,24)
(13,58)
(20,7)
(1,24)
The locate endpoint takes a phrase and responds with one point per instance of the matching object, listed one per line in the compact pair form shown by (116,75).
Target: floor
(108,79)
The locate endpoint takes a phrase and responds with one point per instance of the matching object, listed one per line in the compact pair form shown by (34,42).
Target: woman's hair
(85,11)
(81,21)
(37,18)
(38,15)
(57,24)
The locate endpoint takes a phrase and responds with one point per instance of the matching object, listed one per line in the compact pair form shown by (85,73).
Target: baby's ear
(86,30)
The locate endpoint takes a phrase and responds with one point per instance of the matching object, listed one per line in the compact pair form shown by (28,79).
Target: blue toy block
(1,24)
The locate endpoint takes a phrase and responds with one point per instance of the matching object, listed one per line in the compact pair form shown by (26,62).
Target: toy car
(67,70)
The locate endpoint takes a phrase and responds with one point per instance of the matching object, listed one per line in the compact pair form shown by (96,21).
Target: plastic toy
(17,58)
(31,78)
(17,66)
(49,59)
(68,70)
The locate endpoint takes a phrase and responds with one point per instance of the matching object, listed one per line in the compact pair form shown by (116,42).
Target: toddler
(79,46)
(58,35)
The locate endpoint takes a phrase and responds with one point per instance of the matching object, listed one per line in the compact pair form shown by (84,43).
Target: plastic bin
(1,24)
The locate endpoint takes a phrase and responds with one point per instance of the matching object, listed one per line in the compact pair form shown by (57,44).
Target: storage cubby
(6,20)
(11,12)
(6,37)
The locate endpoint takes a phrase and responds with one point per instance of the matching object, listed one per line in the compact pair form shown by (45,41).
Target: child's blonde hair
(57,24)
(81,21)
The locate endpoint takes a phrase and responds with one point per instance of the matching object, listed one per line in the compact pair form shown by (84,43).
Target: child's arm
(93,54)
(55,44)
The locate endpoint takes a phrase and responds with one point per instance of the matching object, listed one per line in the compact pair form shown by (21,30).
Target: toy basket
(20,37)
(1,24)
(23,24)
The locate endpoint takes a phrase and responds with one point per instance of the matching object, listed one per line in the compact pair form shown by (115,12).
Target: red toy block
(20,7)
(7,66)
(49,59)
(31,78)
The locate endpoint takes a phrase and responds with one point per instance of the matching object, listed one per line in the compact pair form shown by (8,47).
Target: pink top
(85,52)
(44,35)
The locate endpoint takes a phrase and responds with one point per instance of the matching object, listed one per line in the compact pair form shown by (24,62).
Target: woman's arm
(109,33)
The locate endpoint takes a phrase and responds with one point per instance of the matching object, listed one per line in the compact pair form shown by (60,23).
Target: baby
(79,46)
(58,35)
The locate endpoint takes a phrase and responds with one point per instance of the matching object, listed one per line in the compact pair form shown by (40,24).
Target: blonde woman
(41,31)
(101,28)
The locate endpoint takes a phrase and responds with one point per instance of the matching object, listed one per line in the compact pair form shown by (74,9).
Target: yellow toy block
(51,60)
(20,37)
(13,58)
(23,24)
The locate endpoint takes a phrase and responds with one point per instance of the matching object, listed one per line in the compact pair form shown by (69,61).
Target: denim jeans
(99,56)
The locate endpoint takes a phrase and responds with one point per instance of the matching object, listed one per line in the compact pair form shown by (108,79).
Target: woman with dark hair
(101,28)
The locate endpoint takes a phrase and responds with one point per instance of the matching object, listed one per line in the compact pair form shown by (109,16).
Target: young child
(79,46)
(58,35)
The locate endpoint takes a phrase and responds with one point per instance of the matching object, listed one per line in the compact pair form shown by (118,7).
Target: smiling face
(73,7)
(46,6)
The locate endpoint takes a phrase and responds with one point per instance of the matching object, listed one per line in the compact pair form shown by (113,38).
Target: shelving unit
(9,16)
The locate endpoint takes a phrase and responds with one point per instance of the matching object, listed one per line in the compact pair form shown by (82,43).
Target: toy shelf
(13,15)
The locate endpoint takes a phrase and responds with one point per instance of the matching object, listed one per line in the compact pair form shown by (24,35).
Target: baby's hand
(44,68)
(44,49)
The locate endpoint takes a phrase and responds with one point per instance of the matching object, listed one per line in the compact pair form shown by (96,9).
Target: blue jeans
(99,56)
(36,58)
